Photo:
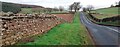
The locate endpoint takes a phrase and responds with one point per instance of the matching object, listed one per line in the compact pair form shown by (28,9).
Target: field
(29,11)
(58,12)
(64,34)
(101,16)
(26,10)
(106,12)
(66,17)
(113,10)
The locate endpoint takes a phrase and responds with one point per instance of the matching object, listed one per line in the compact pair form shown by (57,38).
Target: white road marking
(99,25)
(112,29)
(86,20)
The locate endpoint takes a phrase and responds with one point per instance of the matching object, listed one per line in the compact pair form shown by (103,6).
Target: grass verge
(64,34)
(26,10)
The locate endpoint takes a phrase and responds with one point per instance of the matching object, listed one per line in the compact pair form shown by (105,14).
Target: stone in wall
(17,29)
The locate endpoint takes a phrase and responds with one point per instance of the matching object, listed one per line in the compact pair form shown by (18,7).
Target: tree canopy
(75,6)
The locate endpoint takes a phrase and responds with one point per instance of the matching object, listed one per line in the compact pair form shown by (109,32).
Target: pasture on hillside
(26,10)
(106,12)
(113,10)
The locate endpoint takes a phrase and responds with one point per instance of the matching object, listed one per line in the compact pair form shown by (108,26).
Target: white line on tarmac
(86,20)
(105,26)
(112,29)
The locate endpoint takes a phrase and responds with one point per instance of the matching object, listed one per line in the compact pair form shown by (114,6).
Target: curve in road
(102,35)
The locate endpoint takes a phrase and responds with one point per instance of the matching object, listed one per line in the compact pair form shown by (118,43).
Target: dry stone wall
(16,28)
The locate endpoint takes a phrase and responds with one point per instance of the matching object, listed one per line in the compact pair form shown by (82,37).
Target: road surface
(102,35)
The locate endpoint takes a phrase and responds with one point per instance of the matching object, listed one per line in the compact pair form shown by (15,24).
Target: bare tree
(84,9)
(119,3)
(75,6)
(49,9)
(55,9)
(61,8)
(89,8)
(71,7)
(112,5)
(116,3)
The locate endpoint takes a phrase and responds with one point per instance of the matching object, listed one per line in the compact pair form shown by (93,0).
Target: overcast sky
(65,3)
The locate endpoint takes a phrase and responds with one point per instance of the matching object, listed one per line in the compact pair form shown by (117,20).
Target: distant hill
(15,7)
(29,6)
(24,5)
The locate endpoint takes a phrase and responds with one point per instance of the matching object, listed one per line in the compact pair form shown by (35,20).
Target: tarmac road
(102,35)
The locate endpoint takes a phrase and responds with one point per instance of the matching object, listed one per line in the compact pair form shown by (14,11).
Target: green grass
(26,10)
(106,12)
(113,23)
(99,16)
(29,11)
(64,34)
(113,10)
(59,12)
